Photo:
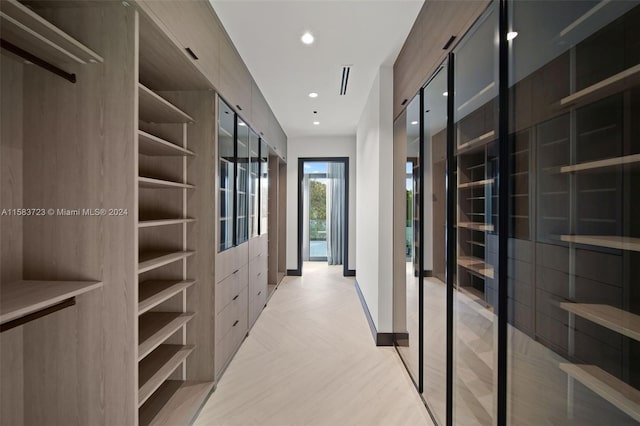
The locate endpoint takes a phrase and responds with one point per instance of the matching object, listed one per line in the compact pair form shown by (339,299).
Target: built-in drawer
(256,305)
(231,287)
(231,260)
(258,246)
(232,315)
(257,275)
(226,346)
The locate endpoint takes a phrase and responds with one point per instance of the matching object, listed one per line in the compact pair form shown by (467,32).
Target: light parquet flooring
(310,360)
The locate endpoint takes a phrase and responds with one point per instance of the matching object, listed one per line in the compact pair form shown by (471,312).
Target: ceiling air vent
(346,69)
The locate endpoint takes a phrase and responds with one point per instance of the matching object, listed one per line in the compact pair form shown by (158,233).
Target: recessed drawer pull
(237,295)
(236,271)
(259,273)
(236,323)
(260,292)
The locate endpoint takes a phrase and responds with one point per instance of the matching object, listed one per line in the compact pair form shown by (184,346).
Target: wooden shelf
(475,184)
(614,84)
(615,319)
(149,261)
(610,241)
(600,164)
(21,298)
(152,183)
(29,31)
(158,366)
(155,109)
(154,328)
(163,222)
(476,226)
(174,403)
(623,396)
(151,145)
(480,140)
(476,265)
(153,293)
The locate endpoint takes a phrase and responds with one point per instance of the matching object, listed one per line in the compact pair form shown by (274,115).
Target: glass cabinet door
(264,187)
(574,274)
(226,174)
(242,182)
(475,301)
(254,182)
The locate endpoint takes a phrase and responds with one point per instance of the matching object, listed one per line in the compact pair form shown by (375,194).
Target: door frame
(345,212)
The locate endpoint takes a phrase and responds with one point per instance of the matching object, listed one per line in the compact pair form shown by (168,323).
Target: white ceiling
(361,33)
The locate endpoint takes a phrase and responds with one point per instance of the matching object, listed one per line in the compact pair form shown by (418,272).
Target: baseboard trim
(380,339)
(294,272)
(350,273)
(426,274)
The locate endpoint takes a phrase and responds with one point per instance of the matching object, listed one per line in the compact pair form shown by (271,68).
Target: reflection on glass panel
(254,181)
(475,322)
(435,296)
(409,348)
(574,308)
(226,165)
(264,187)
(242,182)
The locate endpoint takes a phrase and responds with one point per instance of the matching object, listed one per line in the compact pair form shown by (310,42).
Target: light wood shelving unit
(151,145)
(175,331)
(624,397)
(610,241)
(147,182)
(609,86)
(476,265)
(164,222)
(615,319)
(154,328)
(155,109)
(158,367)
(21,298)
(153,293)
(600,164)
(32,33)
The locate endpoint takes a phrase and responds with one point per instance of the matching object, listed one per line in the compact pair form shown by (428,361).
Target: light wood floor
(310,360)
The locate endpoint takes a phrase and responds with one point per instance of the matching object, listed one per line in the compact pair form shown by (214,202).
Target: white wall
(310,147)
(374,216)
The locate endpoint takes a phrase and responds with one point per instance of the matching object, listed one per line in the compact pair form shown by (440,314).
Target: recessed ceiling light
(414,122)
(445,94)
(307,38)
(511,35)
(313,95)
(316,123)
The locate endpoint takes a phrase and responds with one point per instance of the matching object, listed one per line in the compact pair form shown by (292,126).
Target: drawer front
(226,346)
(256,305)
(231,287)
(258,246)
(229,261)
(257,275)
(234,315)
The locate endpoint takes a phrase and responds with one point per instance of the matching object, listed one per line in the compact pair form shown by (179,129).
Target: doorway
(323,212)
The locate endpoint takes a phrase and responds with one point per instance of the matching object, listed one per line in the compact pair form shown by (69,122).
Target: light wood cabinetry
(422,53)
(108,283)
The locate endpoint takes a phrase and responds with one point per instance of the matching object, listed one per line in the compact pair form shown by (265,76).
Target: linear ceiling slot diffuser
(345,79)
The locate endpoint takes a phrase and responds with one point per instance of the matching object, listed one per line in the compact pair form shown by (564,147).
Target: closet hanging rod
(38,314)
(37,61)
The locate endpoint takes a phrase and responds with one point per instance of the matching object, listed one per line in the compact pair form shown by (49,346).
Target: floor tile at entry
(310,360)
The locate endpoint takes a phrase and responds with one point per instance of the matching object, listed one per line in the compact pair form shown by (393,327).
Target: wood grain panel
(11,342)
(194,25)
(235,80)
(423,50)
(80,364)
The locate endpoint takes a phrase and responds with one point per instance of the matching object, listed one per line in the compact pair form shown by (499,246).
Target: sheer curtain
(335,208)
(305,218)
